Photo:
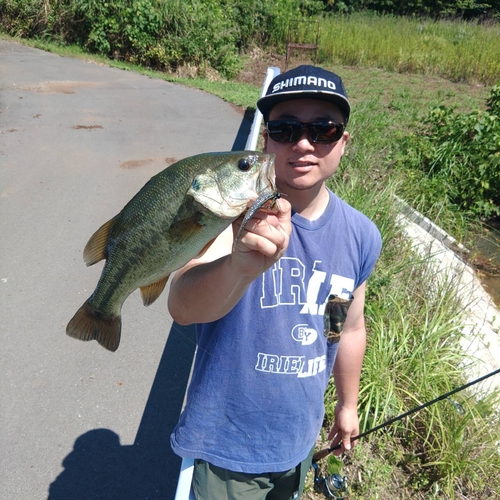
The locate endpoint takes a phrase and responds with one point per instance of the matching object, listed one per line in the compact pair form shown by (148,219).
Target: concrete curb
(482,329)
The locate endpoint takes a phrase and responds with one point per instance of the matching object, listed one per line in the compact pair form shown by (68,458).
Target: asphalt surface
(77,141)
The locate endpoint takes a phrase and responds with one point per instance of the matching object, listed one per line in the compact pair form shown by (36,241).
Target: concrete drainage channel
(482,330)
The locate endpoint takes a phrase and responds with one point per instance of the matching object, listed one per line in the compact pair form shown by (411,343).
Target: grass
(413,356)
(414,349)
(458,51)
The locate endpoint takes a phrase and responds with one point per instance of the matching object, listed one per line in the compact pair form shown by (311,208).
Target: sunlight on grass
(459,51)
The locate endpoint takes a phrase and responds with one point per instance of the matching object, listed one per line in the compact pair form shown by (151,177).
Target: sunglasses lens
(326,132)
(290,131)
(283,131)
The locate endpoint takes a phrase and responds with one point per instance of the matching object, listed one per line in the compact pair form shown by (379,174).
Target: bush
(459,156)
(23,18)
(162,34)
(154,33)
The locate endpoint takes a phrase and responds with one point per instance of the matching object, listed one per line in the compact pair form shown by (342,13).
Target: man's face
(305,165)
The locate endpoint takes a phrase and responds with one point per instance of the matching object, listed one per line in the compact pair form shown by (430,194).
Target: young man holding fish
(265,345)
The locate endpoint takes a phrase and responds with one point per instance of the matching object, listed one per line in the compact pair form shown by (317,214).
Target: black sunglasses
(323,132)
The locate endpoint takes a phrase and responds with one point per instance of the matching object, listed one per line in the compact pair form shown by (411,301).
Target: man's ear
(345,140)
(265,136)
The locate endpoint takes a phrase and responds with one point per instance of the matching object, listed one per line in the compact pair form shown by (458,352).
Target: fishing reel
(333,486)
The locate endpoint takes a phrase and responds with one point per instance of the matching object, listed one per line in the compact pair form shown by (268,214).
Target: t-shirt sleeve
(372,246)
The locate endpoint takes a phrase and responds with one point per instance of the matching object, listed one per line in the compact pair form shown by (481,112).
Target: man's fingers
(267,231)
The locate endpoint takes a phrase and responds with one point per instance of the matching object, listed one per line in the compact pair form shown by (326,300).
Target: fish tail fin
(89,324)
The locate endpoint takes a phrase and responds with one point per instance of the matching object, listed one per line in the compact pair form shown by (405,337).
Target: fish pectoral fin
(150,293)
(185,228)
(95,249)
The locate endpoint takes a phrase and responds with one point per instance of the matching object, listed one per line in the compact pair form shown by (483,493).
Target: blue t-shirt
(255,402)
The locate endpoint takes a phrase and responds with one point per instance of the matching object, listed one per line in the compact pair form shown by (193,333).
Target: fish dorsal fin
(95,249)
(150,293)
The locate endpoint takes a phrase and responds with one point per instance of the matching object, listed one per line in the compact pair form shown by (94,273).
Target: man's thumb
(346,441)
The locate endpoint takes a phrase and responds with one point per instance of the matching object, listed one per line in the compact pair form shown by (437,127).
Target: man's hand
(207,288)
(263,241)
(345,427)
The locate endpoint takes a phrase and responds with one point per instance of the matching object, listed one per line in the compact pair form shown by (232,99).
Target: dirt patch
(256,64)
(257,61)
(169,161)
(56,87)
(130,164)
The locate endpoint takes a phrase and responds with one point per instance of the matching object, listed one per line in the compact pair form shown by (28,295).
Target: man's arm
(347,373)
(207,288)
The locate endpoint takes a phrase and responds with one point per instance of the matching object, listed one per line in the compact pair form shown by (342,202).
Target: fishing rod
(326,451)
(335,486)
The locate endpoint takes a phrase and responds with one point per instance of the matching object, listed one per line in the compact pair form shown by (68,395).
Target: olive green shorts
(214,483)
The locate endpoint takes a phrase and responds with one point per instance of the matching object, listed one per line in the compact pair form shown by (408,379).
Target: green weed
(459,152)
(459,51)
(414,355)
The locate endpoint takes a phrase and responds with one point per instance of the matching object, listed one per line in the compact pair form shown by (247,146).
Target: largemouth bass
(171,220)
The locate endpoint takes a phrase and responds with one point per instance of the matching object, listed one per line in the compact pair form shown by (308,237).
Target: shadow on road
(99,467)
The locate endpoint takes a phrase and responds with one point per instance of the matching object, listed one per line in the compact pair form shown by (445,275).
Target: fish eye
(244,165)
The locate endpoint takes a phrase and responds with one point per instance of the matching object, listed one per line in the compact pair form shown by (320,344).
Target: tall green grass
(457,50)
(414,352)
(414,355)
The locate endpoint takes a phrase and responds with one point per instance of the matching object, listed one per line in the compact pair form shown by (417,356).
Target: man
(255,403)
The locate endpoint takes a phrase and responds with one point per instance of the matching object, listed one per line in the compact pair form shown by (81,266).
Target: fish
(174,218)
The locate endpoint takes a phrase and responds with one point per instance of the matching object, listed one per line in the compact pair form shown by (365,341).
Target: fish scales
(166,224)
(147,256)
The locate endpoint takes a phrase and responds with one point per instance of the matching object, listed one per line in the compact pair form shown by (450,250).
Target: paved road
(77,140)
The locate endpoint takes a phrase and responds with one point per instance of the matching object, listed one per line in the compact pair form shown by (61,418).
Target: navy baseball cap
(305,82)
